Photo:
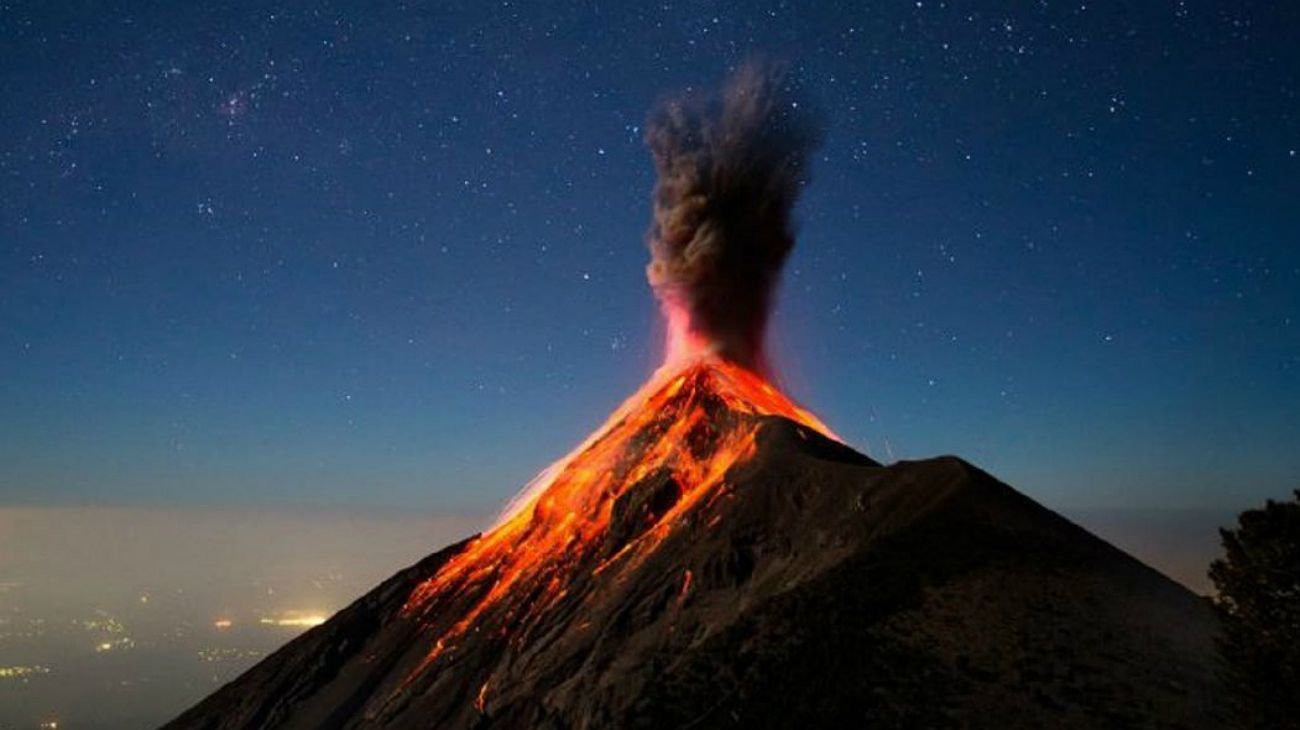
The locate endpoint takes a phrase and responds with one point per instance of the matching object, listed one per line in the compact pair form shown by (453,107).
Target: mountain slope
(743,570)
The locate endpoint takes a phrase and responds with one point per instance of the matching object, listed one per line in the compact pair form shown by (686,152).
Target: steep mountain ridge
(711,558)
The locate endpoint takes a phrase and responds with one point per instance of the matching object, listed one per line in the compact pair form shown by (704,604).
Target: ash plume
(730,167)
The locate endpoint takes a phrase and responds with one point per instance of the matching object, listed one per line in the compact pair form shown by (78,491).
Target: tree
(1258,582)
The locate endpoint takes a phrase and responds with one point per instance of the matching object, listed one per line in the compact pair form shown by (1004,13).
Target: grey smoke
(730,168)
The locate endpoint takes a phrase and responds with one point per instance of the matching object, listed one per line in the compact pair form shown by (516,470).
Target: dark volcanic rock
(821,590)
(640,507)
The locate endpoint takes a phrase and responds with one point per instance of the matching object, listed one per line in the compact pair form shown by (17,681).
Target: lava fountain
(730,167)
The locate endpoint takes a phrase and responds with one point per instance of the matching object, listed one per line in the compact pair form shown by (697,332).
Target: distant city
(133,667)
(121,619)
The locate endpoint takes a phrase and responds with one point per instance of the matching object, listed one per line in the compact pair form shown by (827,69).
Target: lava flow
(729,170)
(610,501)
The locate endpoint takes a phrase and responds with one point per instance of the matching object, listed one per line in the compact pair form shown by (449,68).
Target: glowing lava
(608,503)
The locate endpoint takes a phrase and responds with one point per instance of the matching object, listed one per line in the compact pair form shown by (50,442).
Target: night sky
(321,254)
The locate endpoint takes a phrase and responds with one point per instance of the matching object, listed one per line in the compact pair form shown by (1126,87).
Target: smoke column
(730,167)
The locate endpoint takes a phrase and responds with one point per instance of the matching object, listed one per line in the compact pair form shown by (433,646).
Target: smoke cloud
(730,167)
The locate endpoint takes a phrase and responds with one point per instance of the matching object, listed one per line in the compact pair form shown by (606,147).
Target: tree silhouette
(1258,582)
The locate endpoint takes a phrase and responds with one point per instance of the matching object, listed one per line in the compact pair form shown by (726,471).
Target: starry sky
(327,254)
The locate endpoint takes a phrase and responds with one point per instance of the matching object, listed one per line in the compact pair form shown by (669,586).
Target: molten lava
(606,504)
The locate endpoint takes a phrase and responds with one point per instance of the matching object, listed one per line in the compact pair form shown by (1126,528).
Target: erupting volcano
(713,556)
(666,451)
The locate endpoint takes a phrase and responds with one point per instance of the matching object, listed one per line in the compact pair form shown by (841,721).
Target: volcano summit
(713,556)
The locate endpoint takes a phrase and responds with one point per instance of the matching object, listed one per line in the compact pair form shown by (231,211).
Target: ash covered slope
(809,587)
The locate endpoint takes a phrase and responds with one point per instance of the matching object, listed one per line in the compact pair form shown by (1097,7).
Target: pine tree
(1258,582)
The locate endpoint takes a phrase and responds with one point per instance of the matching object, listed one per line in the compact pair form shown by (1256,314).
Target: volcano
(713,556)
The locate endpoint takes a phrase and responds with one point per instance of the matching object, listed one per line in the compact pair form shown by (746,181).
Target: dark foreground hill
(817,589)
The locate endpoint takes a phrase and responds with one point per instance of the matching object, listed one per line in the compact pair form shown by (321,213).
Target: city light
(296,620)
(22,672)
(113,645)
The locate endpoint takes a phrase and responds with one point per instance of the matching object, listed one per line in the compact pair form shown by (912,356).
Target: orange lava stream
(694,420)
